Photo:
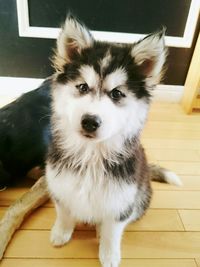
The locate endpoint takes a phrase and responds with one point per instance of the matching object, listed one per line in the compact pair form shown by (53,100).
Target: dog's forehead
(106,67)
(95,80)
(106,60)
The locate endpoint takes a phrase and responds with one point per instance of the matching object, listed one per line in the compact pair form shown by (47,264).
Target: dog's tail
(163,175)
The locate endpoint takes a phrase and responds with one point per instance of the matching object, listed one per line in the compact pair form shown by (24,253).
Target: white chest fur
(90,199)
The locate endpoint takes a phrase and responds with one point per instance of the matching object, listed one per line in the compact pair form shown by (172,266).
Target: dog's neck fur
(72,153)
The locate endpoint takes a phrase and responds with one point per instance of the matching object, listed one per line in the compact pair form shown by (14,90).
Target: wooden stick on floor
(16,213)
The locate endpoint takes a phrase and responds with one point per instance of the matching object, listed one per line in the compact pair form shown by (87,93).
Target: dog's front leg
(110,240)
(63,227)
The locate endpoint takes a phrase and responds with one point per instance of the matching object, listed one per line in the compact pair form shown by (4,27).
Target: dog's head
(102,90)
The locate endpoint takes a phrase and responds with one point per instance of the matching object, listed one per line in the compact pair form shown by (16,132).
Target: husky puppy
(96,168)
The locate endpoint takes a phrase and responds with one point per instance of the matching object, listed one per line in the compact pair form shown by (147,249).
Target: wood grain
(164,154)
(171,143)
(190,219)
(189,168)
(155,245)
(198,262)
(95,263)
(176,200)
(154,220)
(190,183)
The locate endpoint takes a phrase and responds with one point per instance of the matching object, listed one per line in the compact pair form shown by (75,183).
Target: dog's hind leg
(16,213)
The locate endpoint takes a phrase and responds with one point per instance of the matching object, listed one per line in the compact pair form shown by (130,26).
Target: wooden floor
(169,234)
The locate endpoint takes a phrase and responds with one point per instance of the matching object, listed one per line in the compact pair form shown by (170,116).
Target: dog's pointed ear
(73,38)
(150,55)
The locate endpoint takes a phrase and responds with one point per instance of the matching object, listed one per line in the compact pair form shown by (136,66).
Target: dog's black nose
(90,123)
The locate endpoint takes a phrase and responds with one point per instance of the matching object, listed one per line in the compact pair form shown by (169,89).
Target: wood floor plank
(8,196)
(198,152)
(154,220)
(170,143)
(170,134)
(190,183)
(176,200)
(198,262)
(163,116)
(173,125)
(172,129)
(156,245)
(151,158)
(171,112)
(95,263)
(158,220)
(164,154)
(190,219)
(185,168)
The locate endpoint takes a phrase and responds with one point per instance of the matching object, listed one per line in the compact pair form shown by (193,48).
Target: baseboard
(168,93)
(14,87)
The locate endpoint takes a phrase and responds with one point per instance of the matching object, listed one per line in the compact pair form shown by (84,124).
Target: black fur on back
(24,133)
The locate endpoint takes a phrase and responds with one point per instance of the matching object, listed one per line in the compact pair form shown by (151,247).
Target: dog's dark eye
(83,88)
(116,94)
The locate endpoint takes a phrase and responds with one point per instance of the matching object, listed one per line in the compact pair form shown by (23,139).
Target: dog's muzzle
(90,123)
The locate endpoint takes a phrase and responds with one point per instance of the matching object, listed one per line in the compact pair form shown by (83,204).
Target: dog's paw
(59,237)
(109,259)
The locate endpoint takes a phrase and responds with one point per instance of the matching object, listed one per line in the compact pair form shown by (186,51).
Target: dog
(38,194)
(24,134)
(96,168)
(24,138)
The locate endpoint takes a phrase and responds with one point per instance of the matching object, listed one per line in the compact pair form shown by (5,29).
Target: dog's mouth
(87,135)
